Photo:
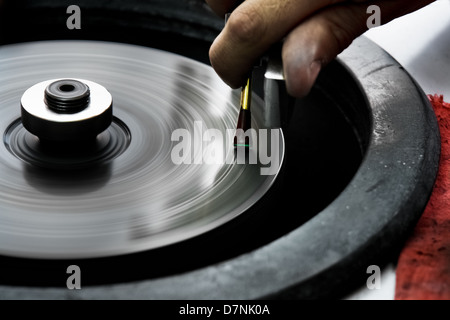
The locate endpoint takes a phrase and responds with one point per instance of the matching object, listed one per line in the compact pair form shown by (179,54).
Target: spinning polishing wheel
(357,161)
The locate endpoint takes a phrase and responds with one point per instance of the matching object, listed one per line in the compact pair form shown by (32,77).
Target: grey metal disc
(139,199)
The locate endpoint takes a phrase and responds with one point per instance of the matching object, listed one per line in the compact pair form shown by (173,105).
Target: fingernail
(314,70)
(300,79)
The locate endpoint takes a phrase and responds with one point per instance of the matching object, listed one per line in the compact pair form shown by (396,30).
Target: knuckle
(246,25)
(341,32)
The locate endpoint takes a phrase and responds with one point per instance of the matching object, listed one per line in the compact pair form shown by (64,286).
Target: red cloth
(423,269)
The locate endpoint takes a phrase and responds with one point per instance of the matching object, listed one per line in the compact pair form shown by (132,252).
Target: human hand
(313,33)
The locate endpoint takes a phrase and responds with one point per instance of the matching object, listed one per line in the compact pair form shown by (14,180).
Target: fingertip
(226,69)
(300,76)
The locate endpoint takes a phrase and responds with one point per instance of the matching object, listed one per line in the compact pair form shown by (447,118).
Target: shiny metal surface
(48,123)
(140,200)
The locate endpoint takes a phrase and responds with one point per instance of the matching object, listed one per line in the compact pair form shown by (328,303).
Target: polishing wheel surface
(139,198)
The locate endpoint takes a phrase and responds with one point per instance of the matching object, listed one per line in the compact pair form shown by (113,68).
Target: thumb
(317,41)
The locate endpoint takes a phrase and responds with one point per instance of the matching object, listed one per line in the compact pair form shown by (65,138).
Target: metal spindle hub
(66,110)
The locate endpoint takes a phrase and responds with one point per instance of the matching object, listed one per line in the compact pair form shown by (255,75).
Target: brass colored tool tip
(245,118)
